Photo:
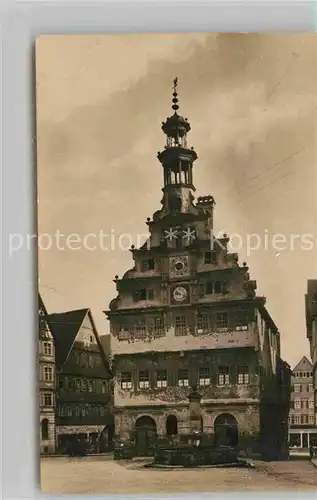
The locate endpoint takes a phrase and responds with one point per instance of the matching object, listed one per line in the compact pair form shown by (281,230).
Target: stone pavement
(64,475)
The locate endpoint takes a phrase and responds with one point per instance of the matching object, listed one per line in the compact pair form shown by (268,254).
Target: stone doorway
(145,436)
(171,425)
(226,430)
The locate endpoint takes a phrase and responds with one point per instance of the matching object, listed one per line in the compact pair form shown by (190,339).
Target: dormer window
(147,265)
(143,294)
(211,257)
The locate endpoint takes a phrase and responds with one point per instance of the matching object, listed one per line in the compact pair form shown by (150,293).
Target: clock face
(179,266)
(180,293)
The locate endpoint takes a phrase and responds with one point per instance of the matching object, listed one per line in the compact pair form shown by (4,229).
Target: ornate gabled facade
(186,317)
(311,329)
(302,423)
(46,382)
(83,382)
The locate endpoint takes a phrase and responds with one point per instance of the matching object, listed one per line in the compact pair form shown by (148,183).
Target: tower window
(144,381)
(126,380)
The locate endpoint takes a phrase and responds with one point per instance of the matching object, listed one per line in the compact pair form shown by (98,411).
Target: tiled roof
(64,327)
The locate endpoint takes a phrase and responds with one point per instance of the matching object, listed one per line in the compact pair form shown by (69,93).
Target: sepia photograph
(177,262)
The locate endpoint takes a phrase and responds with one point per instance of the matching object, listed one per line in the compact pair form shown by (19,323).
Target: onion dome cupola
(176,158)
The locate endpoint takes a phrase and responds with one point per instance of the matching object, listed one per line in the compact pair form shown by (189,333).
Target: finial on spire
(175,106)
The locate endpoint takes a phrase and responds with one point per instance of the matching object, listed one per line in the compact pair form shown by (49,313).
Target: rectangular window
(48,399)
(48,373)
(311,403)
(222,321)
(140,329)
(297,388)
(180,326)
(123,334)
(158,327)
(202,323)
(311,419)
(126,380)
(89,385)
(78,384)
(304,419)
(211,257)
(47,348)
(217,287)
(144,380)
(204,376)
(304,404)
(147,265)
(183,378)
(297,404)
(68,410)
(243,375)
(143,294)
(84,385)
(242,319)
(223,375)
(77,410)
(103,387)
(209,287)
(297,419)
(161,378)
(201,289)
(310,388)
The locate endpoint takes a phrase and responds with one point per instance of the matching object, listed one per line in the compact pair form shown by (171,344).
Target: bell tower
(177,160)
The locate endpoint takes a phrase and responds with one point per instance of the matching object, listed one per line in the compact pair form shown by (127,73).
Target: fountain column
(194,411)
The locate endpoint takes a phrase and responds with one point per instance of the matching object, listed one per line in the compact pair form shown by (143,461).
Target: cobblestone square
(104,476)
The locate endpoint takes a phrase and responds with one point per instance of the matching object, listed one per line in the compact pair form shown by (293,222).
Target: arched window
(44,428)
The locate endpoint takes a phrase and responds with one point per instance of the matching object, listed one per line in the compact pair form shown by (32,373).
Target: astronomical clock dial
(179,266)
(180,293)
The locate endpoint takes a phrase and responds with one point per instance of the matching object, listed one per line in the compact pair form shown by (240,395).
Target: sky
(251,101)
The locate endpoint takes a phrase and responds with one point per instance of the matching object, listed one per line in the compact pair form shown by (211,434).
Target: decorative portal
(226,430)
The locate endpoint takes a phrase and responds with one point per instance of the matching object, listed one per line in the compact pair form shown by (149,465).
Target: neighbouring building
(46,352)
(83,382)
(186,323)
(311,328)
(302,422)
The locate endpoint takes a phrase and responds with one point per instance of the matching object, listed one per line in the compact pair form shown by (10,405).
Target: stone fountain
(196,449)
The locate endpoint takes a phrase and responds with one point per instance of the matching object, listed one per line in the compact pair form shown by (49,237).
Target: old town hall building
(186,318)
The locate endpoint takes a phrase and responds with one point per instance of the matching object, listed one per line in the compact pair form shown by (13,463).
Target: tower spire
(177,160)
(175,105)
